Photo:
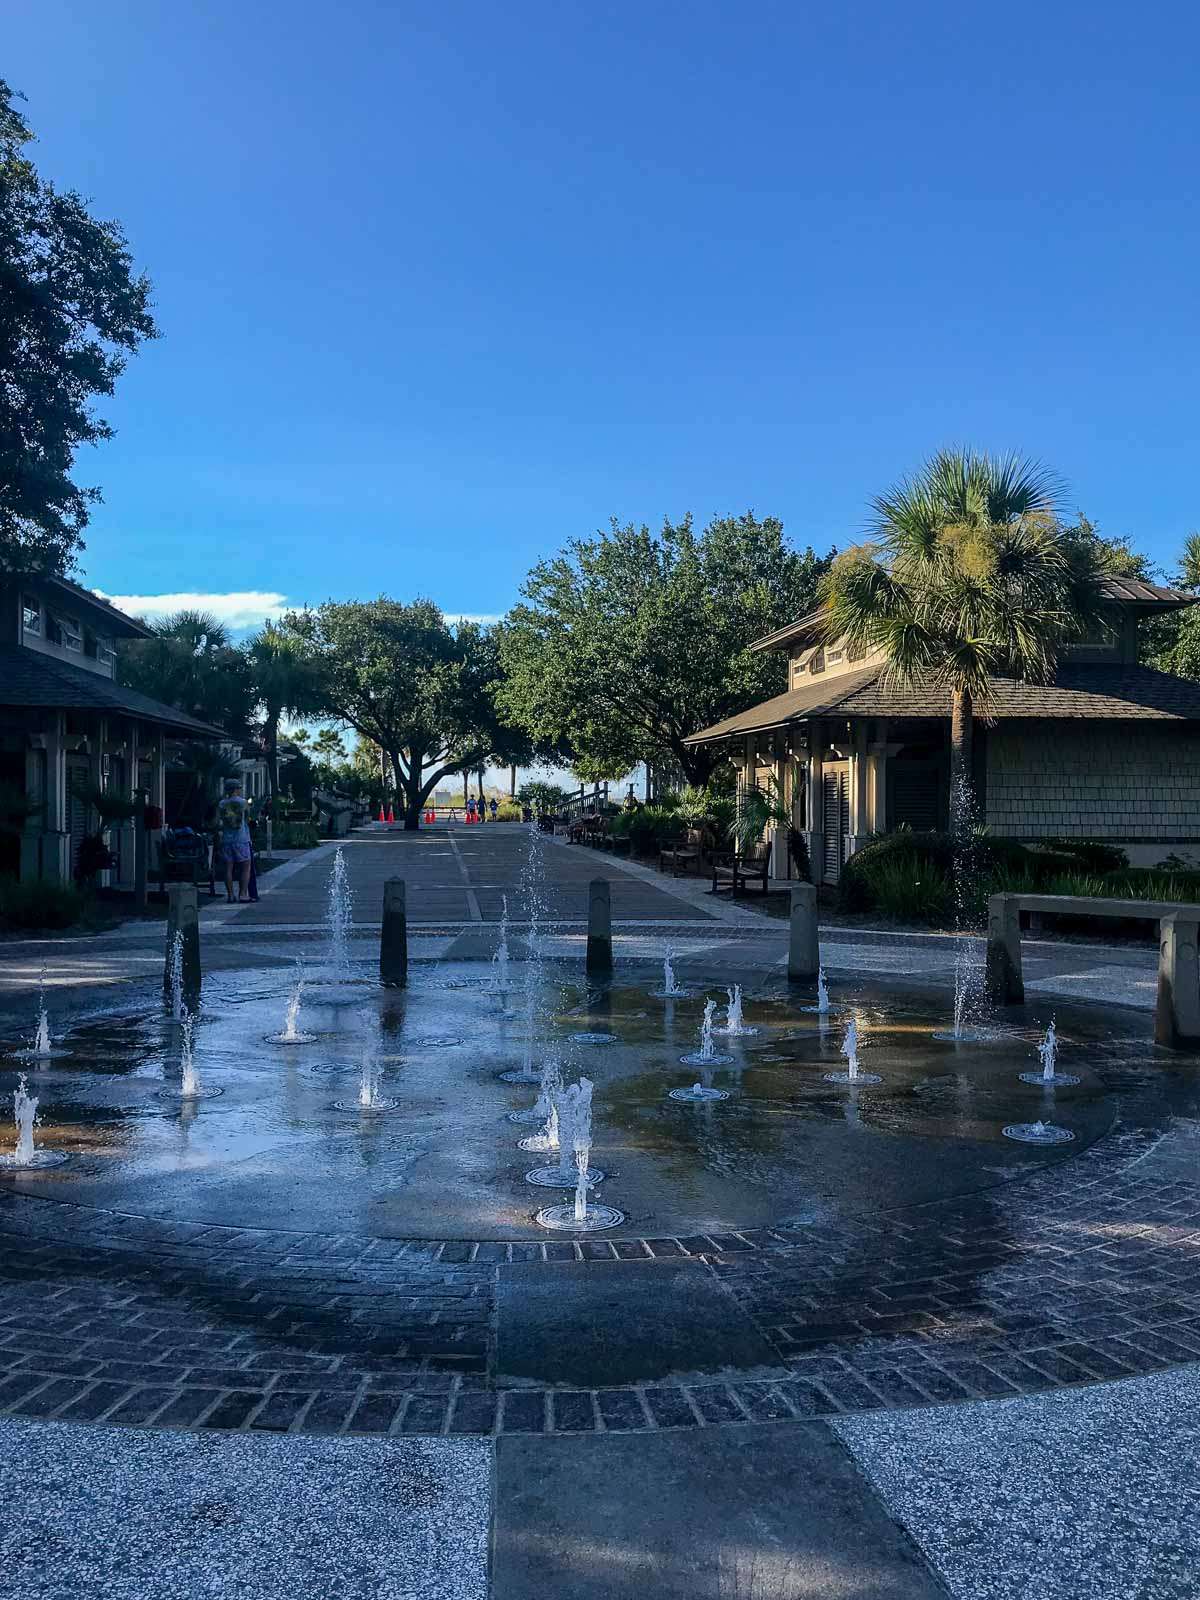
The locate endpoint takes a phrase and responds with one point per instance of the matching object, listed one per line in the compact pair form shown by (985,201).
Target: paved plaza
(339,1359)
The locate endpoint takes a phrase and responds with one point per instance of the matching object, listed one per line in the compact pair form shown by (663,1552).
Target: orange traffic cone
(382,818)
(391,816)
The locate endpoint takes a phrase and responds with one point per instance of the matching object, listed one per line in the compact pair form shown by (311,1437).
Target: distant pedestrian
(471,809)
(235,840)
(494,808)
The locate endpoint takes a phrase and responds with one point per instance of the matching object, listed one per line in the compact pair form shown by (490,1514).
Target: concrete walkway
(459,879)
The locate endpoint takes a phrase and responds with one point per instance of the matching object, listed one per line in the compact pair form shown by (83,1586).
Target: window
(833,657)
(98,648)
(64,631)
(31,614)
(797,673)
(816,662)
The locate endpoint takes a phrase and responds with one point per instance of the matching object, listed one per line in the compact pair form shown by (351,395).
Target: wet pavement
(261,1263)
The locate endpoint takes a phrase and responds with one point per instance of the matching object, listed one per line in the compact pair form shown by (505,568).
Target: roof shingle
(1118,693)
(29,679)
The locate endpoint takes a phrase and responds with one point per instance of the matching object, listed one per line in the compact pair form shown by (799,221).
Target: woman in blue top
(235,839)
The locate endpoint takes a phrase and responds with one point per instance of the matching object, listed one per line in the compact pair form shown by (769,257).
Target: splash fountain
(546,1109)
(574,1170)
(291,1032)
(339,916)
(735,1027)
(670,988)
(41,1047)
(822,1007)
(500,959)
(574,1108)
(175,972)
(707,1055)
(27,1157)
(1038,1133)
(369,1096)
(189,1086)
(849,1049)
(1049,1077)
(532,877)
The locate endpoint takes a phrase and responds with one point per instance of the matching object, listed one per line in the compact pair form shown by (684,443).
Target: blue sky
(441,287)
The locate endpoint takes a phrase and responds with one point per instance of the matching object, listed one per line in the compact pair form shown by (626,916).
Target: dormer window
(833,658)
(98,649)
(65,631)
(31,615)
(816,662)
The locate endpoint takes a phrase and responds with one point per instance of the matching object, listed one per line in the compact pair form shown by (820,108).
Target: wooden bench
(678,857)
(738,869)
(1177,1013)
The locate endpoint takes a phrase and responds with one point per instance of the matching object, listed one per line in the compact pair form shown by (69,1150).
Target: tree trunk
(273,756)
(466,787)
(962,724)
(412,794)
(697,764)
(512,783)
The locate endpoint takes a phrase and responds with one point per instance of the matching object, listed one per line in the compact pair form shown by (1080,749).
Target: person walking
(235,840)
(493,807)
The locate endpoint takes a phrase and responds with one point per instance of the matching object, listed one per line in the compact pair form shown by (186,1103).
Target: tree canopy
(970,575)
(192,663)
(72,310)
(626,643)
(407,682)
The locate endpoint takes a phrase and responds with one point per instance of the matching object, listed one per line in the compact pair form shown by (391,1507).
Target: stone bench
(1177,1012)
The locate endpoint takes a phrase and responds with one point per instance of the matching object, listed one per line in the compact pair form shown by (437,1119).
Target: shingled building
(67,725)
(1110,750)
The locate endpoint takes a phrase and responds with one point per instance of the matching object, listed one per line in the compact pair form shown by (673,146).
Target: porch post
(56,843)
(859,790)
(779,838)
(816,800)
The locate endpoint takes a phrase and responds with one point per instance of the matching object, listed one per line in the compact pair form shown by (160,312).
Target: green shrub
(911,876)
(1091,854)
(295,835)
(926,895)
(40,905)
(652,827)
(509,812)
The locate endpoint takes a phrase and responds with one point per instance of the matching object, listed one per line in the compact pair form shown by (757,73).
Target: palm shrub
(758,809)
(970,574)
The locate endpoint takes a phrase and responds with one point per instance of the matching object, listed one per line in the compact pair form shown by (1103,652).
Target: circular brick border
(1071,1276)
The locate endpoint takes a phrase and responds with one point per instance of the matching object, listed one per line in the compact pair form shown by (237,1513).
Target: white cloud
(246,608)
(470,616)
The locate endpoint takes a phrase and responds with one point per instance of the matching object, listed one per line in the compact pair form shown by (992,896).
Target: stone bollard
(599,939)
(804,955)
(183,916)
(1005,982)
(1177,1012)
(393,938)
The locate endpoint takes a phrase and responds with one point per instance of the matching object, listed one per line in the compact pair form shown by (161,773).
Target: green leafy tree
(283,682)
(406,682)
(72,311)
(970,575)
(191,663)
(626,643)
(1172,643)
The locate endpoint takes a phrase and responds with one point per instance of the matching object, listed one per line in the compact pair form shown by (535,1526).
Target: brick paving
(1082,1273)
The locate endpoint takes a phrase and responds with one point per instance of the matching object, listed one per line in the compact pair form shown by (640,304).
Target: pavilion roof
(31,680)
(1079,691)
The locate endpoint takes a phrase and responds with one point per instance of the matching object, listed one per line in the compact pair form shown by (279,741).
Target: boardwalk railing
(586,800)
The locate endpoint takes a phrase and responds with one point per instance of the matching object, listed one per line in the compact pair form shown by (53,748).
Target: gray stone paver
(160,1516)
(1077,1495)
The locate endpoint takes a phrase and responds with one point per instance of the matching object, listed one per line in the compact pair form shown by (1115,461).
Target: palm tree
(283,682)
(969,574)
